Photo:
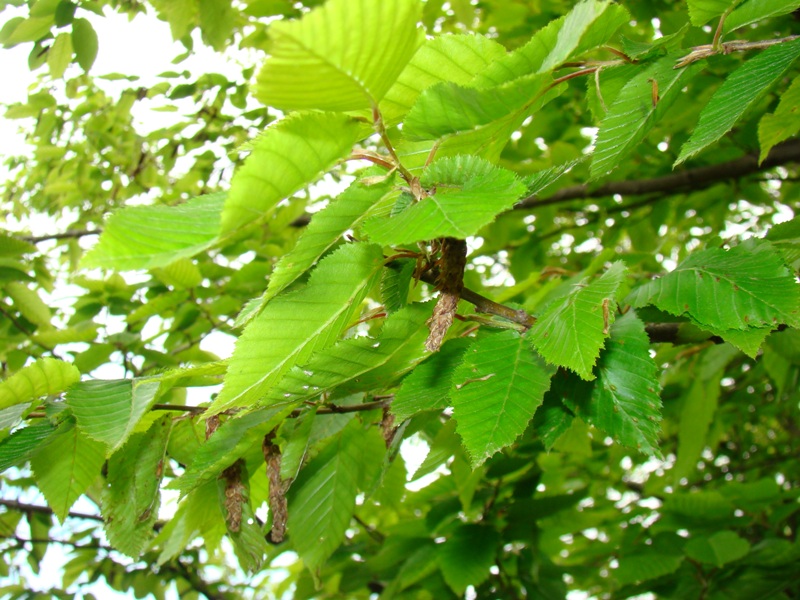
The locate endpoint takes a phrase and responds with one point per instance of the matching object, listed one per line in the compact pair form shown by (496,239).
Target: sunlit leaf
(740,90)
(66,466)
(571,331)
(131,500)
(45,377)
(108,411)
(471,193)
(634,113)
(289,155)
(294,325)
(495,391)
(342,56)
(144,237)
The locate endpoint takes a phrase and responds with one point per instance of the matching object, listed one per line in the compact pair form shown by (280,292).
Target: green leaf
(625,401)
(60,55)
(145,237)
(45,377)
(456,58)
(646,565)
(342,56)
(66,466)
(718,549)
(395,284)
(495,392)
(697,413)
(360,363)
(783,123)
(20,445)
(323,497)
(325,229)
(294,325)
(109,411)
(553,419)
(702,11)
(572,330)
(427,387)
(632,114)
(746,286)
(756,10)
(217,19)
(84,40)
(28,303)
(467,555)
(132,497)
(289,155)
(448,108)
(740,90)
(785,237)
(233,438)
(471,193)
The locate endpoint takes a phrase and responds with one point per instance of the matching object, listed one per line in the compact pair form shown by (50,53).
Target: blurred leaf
(783,123)
(45,377)
(718,549)
(467,555)
(84,41)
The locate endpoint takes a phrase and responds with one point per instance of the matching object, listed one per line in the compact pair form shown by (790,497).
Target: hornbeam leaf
(625,401)
(702,11)
(132,497)
(342,56)
(325,229)
(108,411)
(448,108)
(289,155)
(294,325)
(467,556)
(746,286)
(718,549)
(456,58)
(359,363)
(783,123)
(428,386)
(233,438)
(495,392)
(471,193)
(572,330)
(323,497)
(590,24)
(634,112)
(20,445)
(740,91)
(145,237)
(66,466)
(785,237)
(45,377)
(752,12)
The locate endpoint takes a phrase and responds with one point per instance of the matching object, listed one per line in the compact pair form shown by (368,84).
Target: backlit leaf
(471,193)
(746,286)
(109,411)
(45,377)
(756,10)
(740,90)
(294,325)
(342,56)
(323,498)
(571,331)
(144,237)
(131,500)
(633,113)
(290,154)
(325,229)
(66,466)
(84,40)
(702,11)
(495,392)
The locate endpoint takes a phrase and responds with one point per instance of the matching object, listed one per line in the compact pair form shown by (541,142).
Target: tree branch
(45,510)
(689,179)
(35,239)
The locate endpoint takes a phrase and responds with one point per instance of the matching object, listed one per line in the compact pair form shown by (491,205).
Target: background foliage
(554,252)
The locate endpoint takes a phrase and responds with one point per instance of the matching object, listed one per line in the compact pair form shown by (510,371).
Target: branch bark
(690,179)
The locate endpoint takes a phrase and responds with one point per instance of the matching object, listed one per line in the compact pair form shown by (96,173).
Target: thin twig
(45,510)
(35,239)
